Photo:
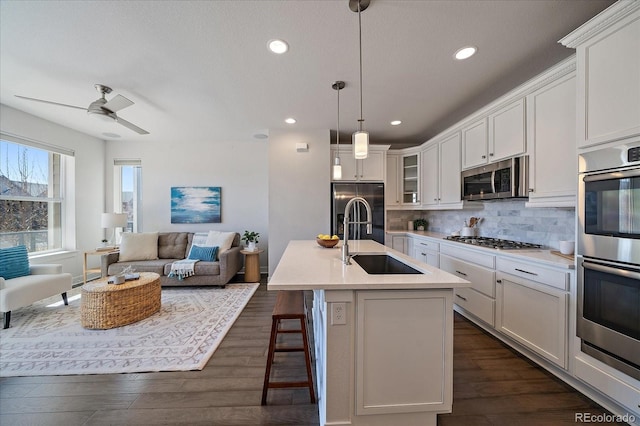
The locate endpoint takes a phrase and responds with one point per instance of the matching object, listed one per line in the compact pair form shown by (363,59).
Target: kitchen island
(383,342)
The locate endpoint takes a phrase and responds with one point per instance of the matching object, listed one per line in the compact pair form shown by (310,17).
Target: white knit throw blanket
(183,269)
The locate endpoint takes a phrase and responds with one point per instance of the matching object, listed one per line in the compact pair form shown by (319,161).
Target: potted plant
(251,239)
(420,224)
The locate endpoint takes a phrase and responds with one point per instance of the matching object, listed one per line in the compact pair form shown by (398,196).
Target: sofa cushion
(157,266)
(200,269)
(14,262)
(138,246)
(223,240)
(205,253)
(172,245)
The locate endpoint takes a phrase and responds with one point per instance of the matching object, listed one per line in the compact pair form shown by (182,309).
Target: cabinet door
(399,243)
(349,165)
(391,186)
(372,168)
(534,315)
(429,174)
(474,144)
(609,91)
(449,165)
(552,132)
(506,131)
(410,179)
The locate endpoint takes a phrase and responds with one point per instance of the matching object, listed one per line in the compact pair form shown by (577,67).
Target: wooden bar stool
(289,305)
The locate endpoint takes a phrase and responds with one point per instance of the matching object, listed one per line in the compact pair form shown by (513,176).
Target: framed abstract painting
(195,204)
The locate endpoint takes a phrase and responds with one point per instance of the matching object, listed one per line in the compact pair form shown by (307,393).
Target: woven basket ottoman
(106,305)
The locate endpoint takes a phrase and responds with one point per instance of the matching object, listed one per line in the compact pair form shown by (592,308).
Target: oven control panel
(633,154)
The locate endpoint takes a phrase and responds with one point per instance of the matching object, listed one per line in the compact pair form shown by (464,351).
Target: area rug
(47,339)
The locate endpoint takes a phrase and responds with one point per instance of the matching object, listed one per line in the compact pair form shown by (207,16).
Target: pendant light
(360,138)
(337,168)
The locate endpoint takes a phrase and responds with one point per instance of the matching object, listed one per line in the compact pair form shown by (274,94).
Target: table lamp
(114,220)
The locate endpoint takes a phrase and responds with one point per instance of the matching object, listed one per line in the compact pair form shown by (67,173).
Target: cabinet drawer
(540,274)
(477,304)
(426,245)
(473,256)
(482,280)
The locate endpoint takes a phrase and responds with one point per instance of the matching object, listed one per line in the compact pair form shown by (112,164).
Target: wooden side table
(251,265)
(86,270)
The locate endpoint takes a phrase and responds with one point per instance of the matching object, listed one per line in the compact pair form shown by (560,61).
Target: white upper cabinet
(430,175)
(507,131)
(441,173)
(551,131)
(474,144)
(450,184)
(496,137)
(411,179)
(608,70)
(392,184)
(371,169)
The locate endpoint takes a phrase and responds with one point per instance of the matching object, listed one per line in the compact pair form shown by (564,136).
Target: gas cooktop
(495,243)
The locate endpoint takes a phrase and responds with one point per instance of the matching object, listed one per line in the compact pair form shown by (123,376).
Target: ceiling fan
(101,107)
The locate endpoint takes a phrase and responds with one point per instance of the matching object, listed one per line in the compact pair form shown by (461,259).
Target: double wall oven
(608,320)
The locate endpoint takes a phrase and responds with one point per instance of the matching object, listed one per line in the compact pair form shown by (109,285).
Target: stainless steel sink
(378,264)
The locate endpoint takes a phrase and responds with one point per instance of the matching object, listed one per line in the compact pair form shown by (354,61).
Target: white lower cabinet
(425,251)
(533,311)
(479,299)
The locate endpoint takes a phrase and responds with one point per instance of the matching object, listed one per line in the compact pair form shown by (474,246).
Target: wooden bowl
(327,243)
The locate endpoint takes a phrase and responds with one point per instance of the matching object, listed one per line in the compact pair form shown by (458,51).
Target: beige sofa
(175,246)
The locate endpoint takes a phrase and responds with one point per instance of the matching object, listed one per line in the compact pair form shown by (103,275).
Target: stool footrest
(289,305)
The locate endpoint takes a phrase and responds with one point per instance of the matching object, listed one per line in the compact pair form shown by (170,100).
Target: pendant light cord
(360,45)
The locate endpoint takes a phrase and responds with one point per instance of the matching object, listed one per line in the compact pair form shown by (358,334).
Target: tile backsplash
(500,219)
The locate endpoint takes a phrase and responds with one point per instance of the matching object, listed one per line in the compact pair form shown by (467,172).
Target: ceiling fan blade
(117,103)
(50,102)
(132,126)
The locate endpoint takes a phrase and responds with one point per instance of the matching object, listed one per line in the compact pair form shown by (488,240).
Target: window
(128,192)
(31,195)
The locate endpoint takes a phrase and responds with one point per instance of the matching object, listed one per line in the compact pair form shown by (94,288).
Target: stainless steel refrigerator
(341,193)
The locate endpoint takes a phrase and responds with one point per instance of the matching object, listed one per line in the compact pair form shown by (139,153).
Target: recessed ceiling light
(290,120)
(396,122)
(278,46)
(261,136)
(465,52)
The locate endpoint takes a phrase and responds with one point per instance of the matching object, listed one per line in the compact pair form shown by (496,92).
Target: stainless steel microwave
(503,179)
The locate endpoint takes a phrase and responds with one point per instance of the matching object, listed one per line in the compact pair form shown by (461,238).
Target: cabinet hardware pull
(463,298)
(499,281)
(530,189)
(491,154)
(484,156)
(435,199)
(424,254)
(526,272)
(461,273)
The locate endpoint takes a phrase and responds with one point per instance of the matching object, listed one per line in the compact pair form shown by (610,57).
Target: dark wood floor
(492,386)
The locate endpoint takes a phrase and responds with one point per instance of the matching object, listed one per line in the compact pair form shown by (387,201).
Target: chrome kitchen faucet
(345,245)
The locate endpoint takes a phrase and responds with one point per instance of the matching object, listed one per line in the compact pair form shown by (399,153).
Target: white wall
(299,189)
(238,167)
(88,180)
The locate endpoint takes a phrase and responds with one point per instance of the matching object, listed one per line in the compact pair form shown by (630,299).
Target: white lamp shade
(360,144)
(114,220)
(337,172)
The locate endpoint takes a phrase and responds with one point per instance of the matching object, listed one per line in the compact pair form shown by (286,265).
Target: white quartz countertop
(543,256)
(307,266)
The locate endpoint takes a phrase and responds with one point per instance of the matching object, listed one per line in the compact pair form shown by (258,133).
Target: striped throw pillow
(14,262)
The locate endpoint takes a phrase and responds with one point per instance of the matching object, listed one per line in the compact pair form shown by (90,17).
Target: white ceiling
(201,71)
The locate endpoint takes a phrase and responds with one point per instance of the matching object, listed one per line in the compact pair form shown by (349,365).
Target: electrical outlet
(339,313)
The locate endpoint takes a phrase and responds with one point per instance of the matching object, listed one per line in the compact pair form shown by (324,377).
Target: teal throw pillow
(208,254)
(14,262)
